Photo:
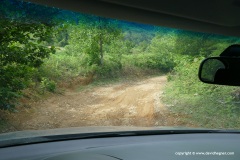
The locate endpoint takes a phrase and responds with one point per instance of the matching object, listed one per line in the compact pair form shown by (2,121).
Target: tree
(87,40)
(22,50)
(24,36)
(196,44)
(162,47)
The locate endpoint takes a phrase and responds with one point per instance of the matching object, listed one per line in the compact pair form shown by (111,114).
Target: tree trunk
(101,49)
(100,41)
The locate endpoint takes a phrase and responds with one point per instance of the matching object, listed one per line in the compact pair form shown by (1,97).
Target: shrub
(61,67)
(110,69)
(206,105)
(150,61)
(47,85)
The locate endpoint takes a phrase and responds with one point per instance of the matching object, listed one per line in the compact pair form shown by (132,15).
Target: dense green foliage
(23,47)
(22,51)
(202,105)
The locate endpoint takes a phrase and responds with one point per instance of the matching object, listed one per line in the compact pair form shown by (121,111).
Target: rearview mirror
(220,70)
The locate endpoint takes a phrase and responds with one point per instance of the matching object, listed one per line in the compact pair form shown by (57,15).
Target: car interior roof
(211,16)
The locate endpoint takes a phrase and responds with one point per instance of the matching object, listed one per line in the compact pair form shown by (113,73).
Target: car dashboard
(168,146)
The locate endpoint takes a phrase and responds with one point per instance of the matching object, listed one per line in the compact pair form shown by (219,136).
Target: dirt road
(124,104)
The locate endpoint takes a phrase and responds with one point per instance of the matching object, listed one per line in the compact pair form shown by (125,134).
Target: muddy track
(123,104)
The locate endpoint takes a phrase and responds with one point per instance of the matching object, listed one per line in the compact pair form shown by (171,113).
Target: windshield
(62,69)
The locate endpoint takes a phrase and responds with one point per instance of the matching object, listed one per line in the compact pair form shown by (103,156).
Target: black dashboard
(219,146)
